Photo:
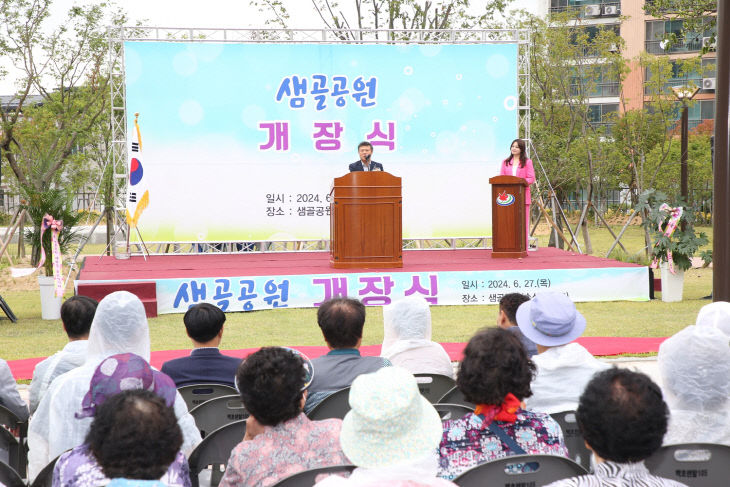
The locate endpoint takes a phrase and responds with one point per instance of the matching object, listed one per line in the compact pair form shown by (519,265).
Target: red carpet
(603,346)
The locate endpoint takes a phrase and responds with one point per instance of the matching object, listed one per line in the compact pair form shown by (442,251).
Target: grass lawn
(33,337)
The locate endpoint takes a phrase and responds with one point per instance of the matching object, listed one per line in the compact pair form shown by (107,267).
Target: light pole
(684,94)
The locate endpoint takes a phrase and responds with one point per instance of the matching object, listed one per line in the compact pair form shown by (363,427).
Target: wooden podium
(365,221)
(508,217)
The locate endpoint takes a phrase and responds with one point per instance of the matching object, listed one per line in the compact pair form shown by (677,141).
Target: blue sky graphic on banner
(242,141)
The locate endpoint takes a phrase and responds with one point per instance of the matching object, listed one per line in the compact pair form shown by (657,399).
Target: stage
(254,280)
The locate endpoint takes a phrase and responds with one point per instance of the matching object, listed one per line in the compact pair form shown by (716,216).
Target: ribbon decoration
(50,223)
(674,215)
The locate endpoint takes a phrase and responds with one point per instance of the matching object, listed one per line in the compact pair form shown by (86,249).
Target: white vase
(672,284)
(50,304)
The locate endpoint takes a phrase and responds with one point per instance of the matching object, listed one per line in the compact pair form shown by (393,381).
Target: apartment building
(641,32)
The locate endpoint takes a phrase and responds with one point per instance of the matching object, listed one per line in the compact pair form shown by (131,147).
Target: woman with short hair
(280,440)
(495,375)
(134,438)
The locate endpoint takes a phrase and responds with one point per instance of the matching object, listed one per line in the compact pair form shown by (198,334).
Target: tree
(63,91)
(65,70)
(570,63)
(388,14)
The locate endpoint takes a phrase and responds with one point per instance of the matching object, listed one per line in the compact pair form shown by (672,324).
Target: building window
(699,111)
(681,77)
(595,83)
(591,32)
(602,115)
(657,30)
(587,8)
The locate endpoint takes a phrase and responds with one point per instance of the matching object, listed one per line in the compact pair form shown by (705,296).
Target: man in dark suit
(204,325)
(365,149)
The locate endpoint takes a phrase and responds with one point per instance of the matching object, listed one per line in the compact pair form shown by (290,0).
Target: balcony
(690,45)
(587,9)
(606,89)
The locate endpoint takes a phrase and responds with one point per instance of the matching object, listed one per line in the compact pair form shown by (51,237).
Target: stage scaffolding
(118,156)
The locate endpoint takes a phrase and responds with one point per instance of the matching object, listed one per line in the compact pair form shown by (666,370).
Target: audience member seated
(507,320)
(407,338)
(280,440)
(9,395)
(341,321)
(119,326)
(204,325)
(715,315)
(563,368)
(135,437)
(123,372)
(391,433)
(10,398)
(77,313)
(495,375)
(695,370)
(622,418)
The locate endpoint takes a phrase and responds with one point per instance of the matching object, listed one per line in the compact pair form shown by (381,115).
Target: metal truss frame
(118,35)
(118,122)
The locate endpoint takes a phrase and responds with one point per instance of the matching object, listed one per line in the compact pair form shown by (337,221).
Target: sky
(215,14)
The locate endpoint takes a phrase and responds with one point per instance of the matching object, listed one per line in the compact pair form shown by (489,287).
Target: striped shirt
(612,474)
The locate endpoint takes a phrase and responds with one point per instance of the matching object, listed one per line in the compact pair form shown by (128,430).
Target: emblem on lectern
(504,199)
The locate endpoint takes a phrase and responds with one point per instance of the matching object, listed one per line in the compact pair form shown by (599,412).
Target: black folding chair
(16,443)
(695,464)
(308,478)
(511,471)
(455,396)
(45,476)
(218,412)
(451,411)
(577,448)
(9,477)
(434,386)
(196,394)
(336,405)
(214,452)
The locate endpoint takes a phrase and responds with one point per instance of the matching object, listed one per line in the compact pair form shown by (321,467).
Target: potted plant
(674,240)
(59,205)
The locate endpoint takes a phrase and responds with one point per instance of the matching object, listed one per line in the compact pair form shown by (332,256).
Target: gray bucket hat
(550,319)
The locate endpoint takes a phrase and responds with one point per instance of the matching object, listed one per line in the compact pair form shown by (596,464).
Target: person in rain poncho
(407,338)
(119,326)
(695,370)
(715,315)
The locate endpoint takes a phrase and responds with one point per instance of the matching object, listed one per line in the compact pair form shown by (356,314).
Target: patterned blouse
(285,449)
(467,443)
(78,468)
(612,474)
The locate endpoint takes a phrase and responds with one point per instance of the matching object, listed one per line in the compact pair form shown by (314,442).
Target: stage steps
(146,291)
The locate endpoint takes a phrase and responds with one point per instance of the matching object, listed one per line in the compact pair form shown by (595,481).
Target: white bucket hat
(390,421)
(550,319)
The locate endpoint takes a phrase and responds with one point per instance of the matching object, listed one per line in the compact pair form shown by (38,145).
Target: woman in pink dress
(517,164)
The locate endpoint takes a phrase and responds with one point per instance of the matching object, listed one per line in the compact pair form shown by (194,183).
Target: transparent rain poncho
(695,369)
(715,315)
(119,326)
(407,338)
